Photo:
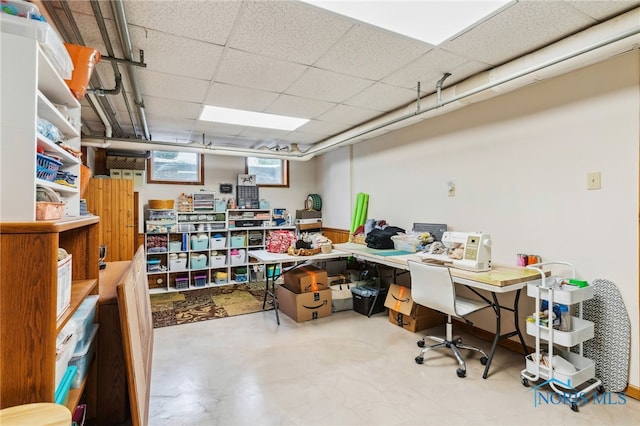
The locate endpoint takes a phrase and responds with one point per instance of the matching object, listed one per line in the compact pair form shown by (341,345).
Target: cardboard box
(304,306)
(305,279)
(404,312)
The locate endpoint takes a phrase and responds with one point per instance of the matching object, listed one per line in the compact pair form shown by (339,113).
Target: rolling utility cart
(566,371)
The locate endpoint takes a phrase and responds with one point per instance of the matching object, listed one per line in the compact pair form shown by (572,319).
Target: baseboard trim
(487,335)
(631,391)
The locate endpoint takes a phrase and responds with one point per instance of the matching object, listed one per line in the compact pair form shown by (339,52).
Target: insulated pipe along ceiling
(593,45)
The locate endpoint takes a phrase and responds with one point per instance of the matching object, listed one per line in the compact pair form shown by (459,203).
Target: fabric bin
(175,245)
(237,257)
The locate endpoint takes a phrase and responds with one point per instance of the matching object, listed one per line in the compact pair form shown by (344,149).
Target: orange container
(84,60)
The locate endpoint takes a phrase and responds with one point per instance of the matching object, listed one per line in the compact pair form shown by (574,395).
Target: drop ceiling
(287,58)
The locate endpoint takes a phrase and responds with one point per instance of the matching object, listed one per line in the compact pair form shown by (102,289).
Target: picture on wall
(246,180)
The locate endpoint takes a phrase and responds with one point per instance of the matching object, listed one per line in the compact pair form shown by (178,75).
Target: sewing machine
(475,247)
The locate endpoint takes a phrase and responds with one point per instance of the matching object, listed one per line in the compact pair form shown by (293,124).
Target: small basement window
(173,167)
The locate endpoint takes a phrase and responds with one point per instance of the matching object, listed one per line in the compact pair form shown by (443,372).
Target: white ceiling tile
(519,29)
(172,108)
(347,114)
(327,86)
(309,33)
(172,86)
(432,65)
(258,72)
(210,128)
(323,128)
(383,97)
(210,21)
(228,96)
(602,10)
(256,132)
(189,58)
(295,106)
(371,53)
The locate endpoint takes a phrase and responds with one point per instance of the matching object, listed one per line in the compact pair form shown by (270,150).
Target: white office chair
(432,286)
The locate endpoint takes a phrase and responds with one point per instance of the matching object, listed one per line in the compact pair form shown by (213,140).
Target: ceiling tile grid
(290,58)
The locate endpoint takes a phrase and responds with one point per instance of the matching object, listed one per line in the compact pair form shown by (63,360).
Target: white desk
(500,279)
(268,258)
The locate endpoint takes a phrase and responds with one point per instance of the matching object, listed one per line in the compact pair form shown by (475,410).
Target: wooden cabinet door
(112,200)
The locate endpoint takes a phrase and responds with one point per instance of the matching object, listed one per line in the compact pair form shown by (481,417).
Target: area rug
(182,307)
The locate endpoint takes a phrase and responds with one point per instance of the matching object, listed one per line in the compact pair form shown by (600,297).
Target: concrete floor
(345,369)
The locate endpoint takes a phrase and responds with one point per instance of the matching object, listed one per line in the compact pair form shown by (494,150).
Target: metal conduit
(369,130)
(125,39)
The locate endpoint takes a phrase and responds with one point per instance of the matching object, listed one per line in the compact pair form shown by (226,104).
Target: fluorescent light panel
(250,118)
(426,20)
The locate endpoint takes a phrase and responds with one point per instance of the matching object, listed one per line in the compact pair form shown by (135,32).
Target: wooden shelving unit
(28,292)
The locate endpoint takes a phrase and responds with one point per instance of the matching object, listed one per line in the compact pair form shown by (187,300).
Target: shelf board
(49,112)
(48,145)
(79,290)
(57,187)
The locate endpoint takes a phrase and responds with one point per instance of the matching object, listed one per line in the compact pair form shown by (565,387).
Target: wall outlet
(593,180)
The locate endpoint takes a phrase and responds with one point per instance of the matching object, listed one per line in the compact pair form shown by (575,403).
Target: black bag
(381,238)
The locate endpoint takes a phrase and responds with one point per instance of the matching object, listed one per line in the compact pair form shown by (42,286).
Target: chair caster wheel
(484,360)
(421,343)
(600,389)
(461,373)
(524,381)
(419,359)
(574,407)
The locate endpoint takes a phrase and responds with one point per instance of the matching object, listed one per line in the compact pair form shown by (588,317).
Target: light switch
(593,180)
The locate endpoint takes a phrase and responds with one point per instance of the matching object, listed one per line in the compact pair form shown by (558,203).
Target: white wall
(520,164)
(225,169)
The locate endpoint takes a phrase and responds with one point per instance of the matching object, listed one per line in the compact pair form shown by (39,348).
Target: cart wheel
(574,407)
(461,373)
(421,343)
(600,389)
(524,381)
(419,359)
(484,360)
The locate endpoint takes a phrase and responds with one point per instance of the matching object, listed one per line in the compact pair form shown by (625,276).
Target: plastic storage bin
(364,297)
(218,242)
(217,261)
(48,38)
(220,277)
(237,241)
(182,283)
(237,257)
(64,285)
(62,390)
(82,358)
(241,278)
(65,346)
(153,265)
(200,280)
(83,319)
(175,245)
(198,261)
(178,264)
(199,243)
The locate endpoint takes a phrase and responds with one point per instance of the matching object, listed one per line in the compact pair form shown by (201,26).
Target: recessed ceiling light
(427,20)
(250,118)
